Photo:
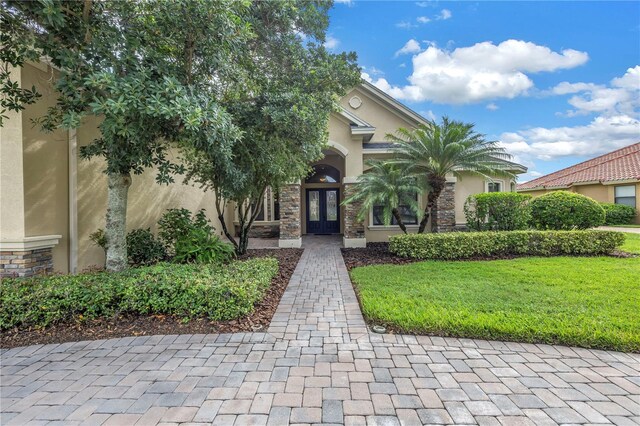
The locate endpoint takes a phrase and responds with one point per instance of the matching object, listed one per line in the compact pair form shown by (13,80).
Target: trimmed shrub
(564,210)
(143,248)
(464,245)
(618,214)
(186,291)
(199,246)
(497,211)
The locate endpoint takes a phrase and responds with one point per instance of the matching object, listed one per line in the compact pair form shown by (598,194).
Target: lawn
(631,243)
(590,302)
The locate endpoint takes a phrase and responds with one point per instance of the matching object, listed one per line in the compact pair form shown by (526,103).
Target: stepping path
(316,364)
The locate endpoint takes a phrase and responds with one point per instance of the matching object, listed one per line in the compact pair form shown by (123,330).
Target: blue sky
(555,82)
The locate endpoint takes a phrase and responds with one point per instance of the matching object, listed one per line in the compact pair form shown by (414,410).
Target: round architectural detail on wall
(355,102)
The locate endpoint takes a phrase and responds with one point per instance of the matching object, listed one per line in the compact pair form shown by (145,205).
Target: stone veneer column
(27,256)
(353,228)
(444,212)
(290,220)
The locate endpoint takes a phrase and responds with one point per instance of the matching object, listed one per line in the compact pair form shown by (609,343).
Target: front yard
(585,301)
(631,243)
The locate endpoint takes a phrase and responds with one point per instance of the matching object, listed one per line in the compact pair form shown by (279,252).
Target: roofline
(391,101)
(590,182)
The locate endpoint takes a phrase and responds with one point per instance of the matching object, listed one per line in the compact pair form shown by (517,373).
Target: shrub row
(618,214)
(186,291)
(464,245)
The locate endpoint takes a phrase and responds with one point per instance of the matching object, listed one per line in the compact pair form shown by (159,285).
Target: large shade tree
(153,71)
(435,150)
(282,109)
(389,187)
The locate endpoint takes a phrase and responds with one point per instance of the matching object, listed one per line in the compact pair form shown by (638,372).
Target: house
(610,178)
(51,200)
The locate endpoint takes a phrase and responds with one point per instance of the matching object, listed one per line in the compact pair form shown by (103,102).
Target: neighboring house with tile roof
(610,178)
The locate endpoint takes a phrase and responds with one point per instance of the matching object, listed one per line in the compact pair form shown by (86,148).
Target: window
(269,208)
(494,186)
(625,195)
(407,215)
(323,173)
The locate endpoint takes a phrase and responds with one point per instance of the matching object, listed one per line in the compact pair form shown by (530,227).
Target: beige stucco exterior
(601,192)
(47,190)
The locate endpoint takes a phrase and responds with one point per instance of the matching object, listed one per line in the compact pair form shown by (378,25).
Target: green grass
(631,243)
(590,302)
(623,226)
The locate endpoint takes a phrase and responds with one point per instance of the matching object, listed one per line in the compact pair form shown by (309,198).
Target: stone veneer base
(294,243)
(354,242)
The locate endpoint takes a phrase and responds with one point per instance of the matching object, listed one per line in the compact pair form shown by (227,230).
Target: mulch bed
(132,325)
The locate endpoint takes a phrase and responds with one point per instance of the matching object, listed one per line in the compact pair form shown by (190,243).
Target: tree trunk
(116,226)
(396,214)
(437,185)
(243,241)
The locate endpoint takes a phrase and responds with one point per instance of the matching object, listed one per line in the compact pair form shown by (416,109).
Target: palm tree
(386,184)
(435,150)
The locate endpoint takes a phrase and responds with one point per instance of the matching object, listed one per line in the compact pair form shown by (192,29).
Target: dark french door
(323,211)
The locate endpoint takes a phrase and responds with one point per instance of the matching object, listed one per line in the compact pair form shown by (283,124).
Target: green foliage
(176,223)
(282,108)
(387,185)
(186,291)
(589,302)
(464,245)
(497,211)
(434,150)
(143,248)
(564,210)
(618,214)
(99,238)
(200,246)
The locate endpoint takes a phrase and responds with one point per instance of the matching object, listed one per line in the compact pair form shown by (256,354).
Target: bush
(176,223)
(497,211)
(200,246)
(464,245)
(618,214)
(143,248)
(186,291)
(563,210)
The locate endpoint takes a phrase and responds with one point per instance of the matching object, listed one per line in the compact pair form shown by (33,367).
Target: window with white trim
(494,186)
(269,209)
(625,195)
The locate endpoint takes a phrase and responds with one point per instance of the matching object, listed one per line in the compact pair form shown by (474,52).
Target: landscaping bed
(584,301)
(122,325)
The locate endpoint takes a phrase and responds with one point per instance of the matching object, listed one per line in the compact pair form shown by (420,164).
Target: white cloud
(429,115)
(423,4)
(492,106)
(346,2)
(444,14)
(412,46)
(423,19)
(480,72)
(407,25)
(331,42)
(621,97)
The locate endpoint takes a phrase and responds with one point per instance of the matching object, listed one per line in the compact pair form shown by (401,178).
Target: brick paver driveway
(316,364)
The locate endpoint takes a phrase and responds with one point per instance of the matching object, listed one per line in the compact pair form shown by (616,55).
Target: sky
(556,83)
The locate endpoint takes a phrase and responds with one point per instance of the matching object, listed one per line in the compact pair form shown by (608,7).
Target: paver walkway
(316,364)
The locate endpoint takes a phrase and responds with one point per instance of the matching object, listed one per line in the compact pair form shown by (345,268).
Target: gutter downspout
(73,202)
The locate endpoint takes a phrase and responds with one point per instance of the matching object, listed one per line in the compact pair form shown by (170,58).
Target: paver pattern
(316,364)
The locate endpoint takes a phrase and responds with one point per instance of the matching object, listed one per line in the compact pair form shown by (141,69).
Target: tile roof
(622,164)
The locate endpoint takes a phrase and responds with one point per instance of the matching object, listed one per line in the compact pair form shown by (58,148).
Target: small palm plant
(385,184)
(434,151)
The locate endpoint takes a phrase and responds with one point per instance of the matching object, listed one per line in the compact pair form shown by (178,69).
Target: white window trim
(411,226)
(500,181)
(635,194)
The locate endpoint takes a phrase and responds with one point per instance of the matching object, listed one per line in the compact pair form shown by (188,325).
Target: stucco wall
(45,169)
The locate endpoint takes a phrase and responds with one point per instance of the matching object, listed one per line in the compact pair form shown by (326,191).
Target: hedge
(464,245)
(618,214)
(497,211)
(185,291)
(564,210)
